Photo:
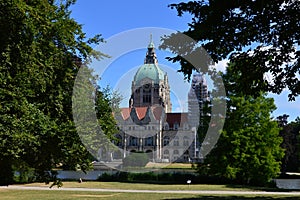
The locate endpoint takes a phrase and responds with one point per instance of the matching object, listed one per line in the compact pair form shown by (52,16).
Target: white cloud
(221,65)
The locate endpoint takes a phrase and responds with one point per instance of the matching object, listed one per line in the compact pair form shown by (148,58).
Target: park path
(211,192)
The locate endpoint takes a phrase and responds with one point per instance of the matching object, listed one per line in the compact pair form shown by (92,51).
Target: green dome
(151,71)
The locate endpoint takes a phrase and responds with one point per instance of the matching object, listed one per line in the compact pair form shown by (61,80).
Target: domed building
(148,124)
(150,85)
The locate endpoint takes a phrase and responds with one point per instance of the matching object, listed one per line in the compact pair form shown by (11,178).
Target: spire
(151,44)
(150,55)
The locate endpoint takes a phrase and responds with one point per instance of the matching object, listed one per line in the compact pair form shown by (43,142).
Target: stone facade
(149,126)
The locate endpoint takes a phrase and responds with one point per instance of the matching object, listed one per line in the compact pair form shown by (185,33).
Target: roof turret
(150,69)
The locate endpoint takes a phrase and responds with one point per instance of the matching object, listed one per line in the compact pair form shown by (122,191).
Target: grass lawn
(11,194)
(145,186)
(6,194)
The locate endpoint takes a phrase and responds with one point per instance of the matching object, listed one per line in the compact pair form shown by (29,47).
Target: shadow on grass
(236,198)
(261,188)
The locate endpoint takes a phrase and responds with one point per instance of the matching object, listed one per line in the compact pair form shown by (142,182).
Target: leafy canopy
(261,38)
(41,50)
(248,150)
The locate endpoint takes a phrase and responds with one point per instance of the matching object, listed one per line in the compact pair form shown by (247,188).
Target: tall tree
(290,134)
(41,49)
(260,37)
(93,112)
(248,150)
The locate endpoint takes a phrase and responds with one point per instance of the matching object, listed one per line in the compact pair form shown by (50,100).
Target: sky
(126,26)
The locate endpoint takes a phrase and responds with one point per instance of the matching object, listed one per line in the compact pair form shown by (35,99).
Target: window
(176,152)
(186,156)
(186,126)
(147,98)
(176,141)
(166,140)
(133,141)
(186,141)
(149,141)
(166,126)
(176,126)
(166,154)
(146,93)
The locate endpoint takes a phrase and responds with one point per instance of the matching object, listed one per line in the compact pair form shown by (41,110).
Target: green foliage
(258,36)
(23,173)
(41,50)
(107,102)
(248,150)
(92,113)
(139,159)
(290,134)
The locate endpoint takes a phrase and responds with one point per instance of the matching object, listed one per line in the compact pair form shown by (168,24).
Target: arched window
(166,140)
(175,152)
(186,141)
(146,93)
(166,126)
(166,154)
(176,141)
(186,156)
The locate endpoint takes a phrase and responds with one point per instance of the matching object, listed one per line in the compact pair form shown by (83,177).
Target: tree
(248,150)
(260,37)
(290,135)
(41,50)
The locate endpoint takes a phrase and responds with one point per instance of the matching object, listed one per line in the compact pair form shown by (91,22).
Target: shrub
(139,159)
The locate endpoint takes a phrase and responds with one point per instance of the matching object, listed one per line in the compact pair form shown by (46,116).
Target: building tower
(150,85)
(197,96)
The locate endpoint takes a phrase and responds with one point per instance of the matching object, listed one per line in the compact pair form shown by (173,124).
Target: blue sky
(110,18)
